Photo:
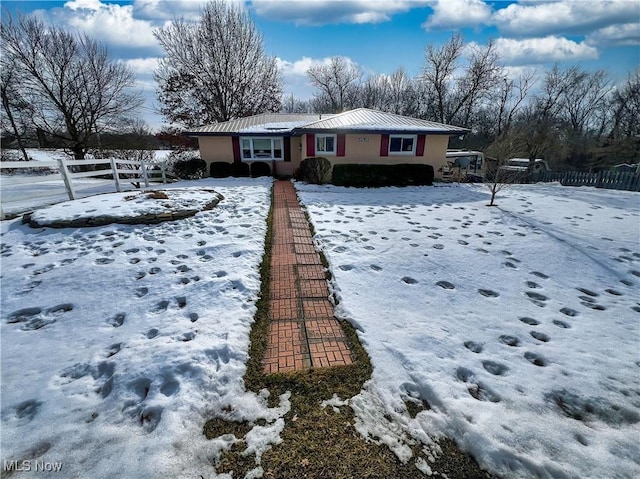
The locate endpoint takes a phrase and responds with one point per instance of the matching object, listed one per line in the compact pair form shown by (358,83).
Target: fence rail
(120,171)
(612,180)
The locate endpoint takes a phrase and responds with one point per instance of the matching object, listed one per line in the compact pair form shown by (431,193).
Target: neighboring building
(522,164)
(357,136)
(627,168)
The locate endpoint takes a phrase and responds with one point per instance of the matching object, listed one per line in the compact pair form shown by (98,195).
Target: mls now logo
(27,466)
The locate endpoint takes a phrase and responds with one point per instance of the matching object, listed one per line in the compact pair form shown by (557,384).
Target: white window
(402,144)
(326,144)
(261,148)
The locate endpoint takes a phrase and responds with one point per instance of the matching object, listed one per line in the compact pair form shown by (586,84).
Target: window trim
(405,153)
(335,143)
(272,139)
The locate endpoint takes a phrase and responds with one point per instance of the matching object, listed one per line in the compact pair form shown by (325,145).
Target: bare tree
(440,65)
(625,106)
(73,87)
(216,69)
(453,93)
(501,175)
(337,84)
(511,96)
(12,101)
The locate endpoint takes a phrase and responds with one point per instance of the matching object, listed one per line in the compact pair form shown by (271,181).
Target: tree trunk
(7,109)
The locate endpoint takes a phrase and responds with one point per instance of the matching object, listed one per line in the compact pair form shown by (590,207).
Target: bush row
(382,175)
(221,169)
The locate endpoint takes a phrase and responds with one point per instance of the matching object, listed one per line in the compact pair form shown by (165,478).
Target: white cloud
(323,12)
(549,49)
(110,23)
(295,75)
(564,16)
(616,35)
(167,10)
(452,14)
(142,66)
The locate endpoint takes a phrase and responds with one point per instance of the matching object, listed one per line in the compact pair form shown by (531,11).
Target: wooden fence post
(66,178)
(163,168)
(116,175)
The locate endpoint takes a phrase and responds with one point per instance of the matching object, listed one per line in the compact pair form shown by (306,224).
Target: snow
(119,342)
(274,127)
(518,325)
(128,205)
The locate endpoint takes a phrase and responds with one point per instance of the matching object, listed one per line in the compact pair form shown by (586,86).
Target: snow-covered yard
(518,325)
(119,342)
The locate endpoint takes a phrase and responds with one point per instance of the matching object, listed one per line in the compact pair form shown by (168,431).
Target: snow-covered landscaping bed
(517,326)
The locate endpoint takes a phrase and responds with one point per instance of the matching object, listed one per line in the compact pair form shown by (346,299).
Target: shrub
(186,165)
(220,169)
(315,170)
(382,175)
(240,170)
(260,168)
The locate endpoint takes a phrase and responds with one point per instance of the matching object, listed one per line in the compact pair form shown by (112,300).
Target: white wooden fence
(138,173)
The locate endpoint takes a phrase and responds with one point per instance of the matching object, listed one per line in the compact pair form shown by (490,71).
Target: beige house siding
(365,148)
(359,148)
(215,148)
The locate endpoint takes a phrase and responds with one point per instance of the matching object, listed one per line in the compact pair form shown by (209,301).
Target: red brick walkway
(303,332)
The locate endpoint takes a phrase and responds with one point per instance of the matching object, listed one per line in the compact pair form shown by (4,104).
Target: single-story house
(283,140)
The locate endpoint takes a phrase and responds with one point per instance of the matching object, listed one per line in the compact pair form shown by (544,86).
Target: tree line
(66,88)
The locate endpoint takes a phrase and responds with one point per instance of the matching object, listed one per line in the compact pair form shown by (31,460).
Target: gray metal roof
(358,120)
(275,122)
(364,119)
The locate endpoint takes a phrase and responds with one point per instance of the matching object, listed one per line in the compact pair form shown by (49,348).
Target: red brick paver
(303,331)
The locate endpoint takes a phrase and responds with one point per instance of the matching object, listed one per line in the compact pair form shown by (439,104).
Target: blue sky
(380,36)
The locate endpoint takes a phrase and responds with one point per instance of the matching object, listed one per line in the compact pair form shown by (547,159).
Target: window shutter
(420,145)
(236,149)
(340,146)
(384,145)
(287,148)
(311,144)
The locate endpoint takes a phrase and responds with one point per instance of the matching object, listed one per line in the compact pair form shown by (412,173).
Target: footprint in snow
(540,336)
(530,321)
(532,285)
(535,359)
(140,292)
(594,306)
(161,307)
(113,350)
(473,346)
(569,312)
(117,320)
(561,324)
(536,296)
(182,301)
(445,285)
(588,292)
(152,333)
(540,275)
(494,368)
(409,280)
(186,337)
(27,410)
(488,293)
(510,340)
(375,267)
